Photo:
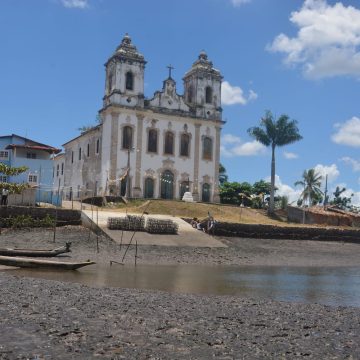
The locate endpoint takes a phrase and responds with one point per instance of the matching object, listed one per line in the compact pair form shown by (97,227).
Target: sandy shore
(42,319)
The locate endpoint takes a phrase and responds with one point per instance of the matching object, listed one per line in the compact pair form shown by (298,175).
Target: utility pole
(325,193)
(128,176)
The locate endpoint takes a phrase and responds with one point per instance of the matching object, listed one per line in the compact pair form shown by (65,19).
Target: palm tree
(311,183)
(271,132)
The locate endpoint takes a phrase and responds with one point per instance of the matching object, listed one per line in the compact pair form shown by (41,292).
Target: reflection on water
(330,285)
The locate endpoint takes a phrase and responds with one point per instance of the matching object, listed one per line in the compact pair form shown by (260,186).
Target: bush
(27,221)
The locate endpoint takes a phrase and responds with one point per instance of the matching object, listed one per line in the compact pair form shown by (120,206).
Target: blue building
(17,151)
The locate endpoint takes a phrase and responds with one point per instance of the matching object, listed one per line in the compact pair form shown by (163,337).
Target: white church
(158,147)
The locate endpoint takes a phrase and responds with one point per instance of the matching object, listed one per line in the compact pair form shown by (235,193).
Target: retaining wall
(298,215)
(287,232)
(63,216)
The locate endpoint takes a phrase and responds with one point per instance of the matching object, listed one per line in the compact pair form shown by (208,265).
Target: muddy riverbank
(44,319)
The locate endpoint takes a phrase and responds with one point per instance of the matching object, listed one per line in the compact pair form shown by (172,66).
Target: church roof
(203,64)
(127,51)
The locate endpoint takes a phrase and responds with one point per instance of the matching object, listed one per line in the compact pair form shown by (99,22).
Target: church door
(205,193)
(149,188)
(167,185)
(184,186)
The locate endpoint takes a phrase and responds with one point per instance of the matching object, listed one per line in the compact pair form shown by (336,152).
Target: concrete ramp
(187,235)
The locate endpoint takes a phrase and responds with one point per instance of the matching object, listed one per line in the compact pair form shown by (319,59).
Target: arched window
(129,81)
(184,145)
(110,81)
(205,194)
(207,148)
(190,94)
(167,185)
(152,141)
(184,187)
(127,137)
(208,95)
(149,188)
(169,143)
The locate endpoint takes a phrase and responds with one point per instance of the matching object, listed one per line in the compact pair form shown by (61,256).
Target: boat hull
(35,263)
(35,252)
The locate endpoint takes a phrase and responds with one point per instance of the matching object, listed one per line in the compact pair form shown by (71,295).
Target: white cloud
(240,2)
(286,190)
(231,95)
(348,133)
(290,155)
(327,42)
(354,163)
(331,171)
(233,146)
(230,139)
(250,148)
(80,4)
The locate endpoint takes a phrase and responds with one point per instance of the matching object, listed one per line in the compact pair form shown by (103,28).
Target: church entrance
(167,185)
(184,187)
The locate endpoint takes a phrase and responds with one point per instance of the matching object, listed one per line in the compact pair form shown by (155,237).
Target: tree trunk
(272,189)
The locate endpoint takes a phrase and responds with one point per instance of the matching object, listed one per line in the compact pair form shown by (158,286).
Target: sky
(300,58)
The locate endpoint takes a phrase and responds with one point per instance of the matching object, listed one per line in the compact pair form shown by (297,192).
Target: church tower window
(152,141)
(208,95)
(184,145)
(127,137)
(129,81)
(169,143)
(207,148)
(190,94)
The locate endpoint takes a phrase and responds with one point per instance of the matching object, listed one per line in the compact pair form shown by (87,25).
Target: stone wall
(63,216)
(287,232)
(26,198)
(298,215)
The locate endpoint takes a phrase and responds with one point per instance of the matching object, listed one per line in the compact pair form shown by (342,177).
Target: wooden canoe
(35,252)
(35,263)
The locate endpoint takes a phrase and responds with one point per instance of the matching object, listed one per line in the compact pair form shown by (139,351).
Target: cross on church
(170,67)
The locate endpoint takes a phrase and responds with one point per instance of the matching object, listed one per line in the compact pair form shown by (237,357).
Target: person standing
(4,196)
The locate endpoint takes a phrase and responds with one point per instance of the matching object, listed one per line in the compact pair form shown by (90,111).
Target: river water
(325,285)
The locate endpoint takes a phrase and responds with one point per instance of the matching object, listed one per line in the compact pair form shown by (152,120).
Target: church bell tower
(202,84)
(124,84)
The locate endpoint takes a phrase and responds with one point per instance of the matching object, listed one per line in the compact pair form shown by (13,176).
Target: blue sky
(296,57)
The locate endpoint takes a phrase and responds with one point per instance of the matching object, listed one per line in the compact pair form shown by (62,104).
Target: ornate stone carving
(150,173)
(168,163)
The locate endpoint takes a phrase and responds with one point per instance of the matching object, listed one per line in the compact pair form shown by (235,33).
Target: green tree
(262,190)
(222,174)
(12,171)
(229,192)
(342,202)
(271,132)
(311,183)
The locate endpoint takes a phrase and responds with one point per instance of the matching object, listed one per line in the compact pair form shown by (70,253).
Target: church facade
(156,147)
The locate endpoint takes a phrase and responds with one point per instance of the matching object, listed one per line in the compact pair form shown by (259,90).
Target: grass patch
(183,209)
